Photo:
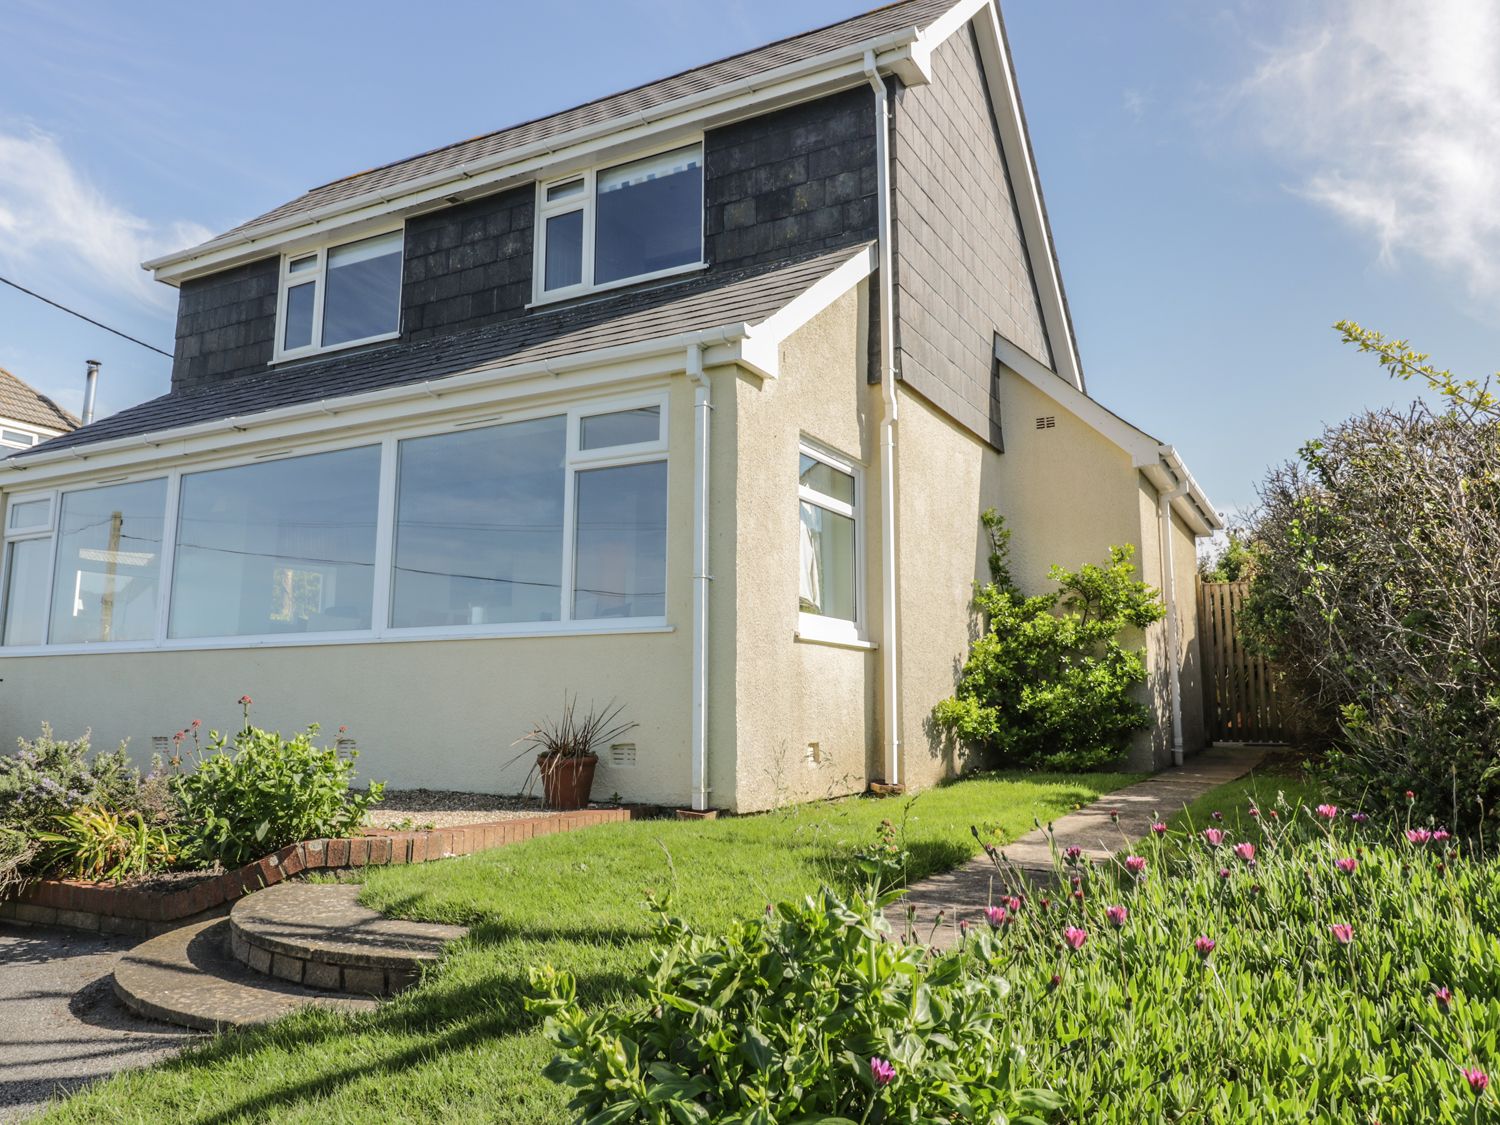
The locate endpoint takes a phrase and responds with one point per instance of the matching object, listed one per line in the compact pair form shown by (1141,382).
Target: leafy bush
(95,843)
(48,777)
(810,1013)
(257,792)
(1049,684)
(1377,596)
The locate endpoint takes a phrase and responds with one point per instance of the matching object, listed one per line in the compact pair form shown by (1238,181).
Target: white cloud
(55,224)
(1391,111)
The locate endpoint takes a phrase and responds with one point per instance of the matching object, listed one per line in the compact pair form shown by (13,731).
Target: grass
(461,1045)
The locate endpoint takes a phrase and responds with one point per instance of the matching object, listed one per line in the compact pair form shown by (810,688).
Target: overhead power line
(80,316)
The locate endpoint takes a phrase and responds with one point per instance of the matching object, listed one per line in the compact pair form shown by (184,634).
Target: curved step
(186,976)
(318,935)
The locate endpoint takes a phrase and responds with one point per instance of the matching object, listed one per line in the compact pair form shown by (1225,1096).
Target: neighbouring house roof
(391,180)
(749,296)
(21,403)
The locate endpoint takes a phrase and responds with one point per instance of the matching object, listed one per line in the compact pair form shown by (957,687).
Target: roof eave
(786,85)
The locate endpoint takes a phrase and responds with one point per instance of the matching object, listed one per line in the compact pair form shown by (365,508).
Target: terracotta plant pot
(566,781)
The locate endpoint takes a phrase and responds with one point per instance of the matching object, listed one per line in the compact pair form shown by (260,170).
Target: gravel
(445,808)
(62,1026)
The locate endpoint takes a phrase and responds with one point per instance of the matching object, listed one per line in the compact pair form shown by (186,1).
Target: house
(689,397)
(27,416)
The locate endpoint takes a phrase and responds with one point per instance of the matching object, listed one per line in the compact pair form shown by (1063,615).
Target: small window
(341,295)
(828,594)
(621,427)
(17,437)
(624,223)
(30,515)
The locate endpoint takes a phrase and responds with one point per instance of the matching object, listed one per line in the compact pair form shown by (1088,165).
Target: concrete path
(963,893)
(60,1024)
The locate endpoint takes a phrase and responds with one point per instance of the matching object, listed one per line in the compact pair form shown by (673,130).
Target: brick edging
(108,908)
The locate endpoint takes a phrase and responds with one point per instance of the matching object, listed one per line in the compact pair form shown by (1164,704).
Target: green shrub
(95,843)
(257,792)
(811,1013)
(49,777)
(1377,595)
(1048,684)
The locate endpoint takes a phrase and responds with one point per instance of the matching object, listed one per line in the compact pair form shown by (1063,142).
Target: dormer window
(339,296)
(608,227)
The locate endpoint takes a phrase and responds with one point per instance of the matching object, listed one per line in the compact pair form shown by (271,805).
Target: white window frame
(816,626)
(547,209)
(9,535)
(318,276)
(32,438)
(381,631)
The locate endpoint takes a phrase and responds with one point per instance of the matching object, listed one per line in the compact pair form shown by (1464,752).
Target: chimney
(89,387)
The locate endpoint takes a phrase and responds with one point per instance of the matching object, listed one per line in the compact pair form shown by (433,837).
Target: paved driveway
(60,1024)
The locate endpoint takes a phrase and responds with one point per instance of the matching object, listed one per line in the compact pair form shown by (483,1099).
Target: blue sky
(1224,179)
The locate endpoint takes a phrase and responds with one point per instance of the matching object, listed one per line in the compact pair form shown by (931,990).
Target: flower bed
(1311,965)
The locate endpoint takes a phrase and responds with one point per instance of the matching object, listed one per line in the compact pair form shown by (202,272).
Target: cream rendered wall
(1067,494)
(789,693)
(442,714)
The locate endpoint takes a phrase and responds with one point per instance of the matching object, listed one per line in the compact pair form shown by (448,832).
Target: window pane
(279,547)
(620,566)
(827,480)
(564,250)
(29,513)
(299,316)
(622,427)
(649,215)
(479,526)
(564,191)
(828,577)
(26,591)
(17,437)
(363,295)
(302,265)
(108,559)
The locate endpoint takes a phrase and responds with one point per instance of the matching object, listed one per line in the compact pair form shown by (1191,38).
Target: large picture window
(552,523)
(280,547)
(828,594)
(629,222)
(338,296)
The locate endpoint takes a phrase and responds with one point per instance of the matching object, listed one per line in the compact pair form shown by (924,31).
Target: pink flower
(997,916)
(1359,817)
(1116,915)
(1245,851)
(1254,811)
(1443,996)
(1477,1079)
(1410,796)
(197,723)
(1275,815)
(1072,854)
(1347,865)
(1224,873)
(1342,932)
(1075,937)
(1204,945)
(1215,836)
(1418,835)
(1327,812)
(1014,902)
(1217,815)
(179,736)
(245,701)
(882,1071)
(1440,835)
(1114,816)
(1159,828)
(1135,864)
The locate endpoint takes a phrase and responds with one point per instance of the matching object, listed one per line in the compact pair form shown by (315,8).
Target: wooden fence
(1240,691)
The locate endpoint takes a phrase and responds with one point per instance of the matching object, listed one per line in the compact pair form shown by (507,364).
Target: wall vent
(1047,423)
(161,744)
(622,755)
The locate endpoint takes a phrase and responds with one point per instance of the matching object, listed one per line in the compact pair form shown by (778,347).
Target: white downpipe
(702,413)
(1174,637)
(889,648)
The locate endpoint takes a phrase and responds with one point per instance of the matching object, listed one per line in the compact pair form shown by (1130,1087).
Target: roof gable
(22,403)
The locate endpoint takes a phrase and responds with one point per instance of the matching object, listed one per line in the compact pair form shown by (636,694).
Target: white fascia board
(1160,463)
(761,93)
(761,349)
(497,387)
(935,34)
(1028,193)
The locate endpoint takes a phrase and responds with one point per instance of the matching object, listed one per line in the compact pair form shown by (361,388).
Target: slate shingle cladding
(962,268)
(226,324)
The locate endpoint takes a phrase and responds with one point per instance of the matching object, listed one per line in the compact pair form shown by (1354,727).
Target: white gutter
(1169,596)
(890,647)
(702,416)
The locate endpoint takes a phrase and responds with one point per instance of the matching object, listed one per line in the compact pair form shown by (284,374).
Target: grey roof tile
(892,17)
(746,296)
(22,403)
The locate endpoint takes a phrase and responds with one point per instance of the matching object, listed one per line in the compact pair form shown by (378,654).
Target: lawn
(462,1046)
